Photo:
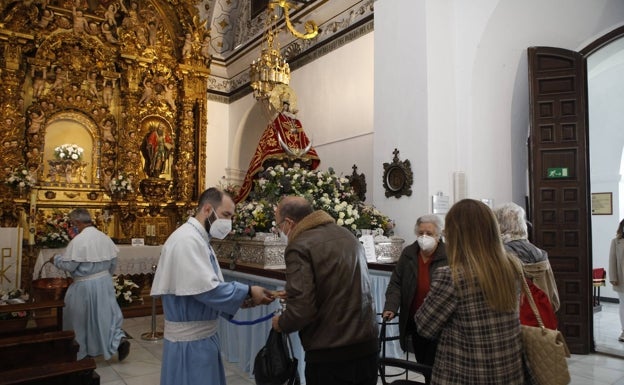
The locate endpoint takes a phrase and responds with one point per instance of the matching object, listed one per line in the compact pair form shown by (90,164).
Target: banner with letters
(10,257)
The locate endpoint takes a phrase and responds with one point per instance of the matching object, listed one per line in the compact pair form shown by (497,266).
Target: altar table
(130,260)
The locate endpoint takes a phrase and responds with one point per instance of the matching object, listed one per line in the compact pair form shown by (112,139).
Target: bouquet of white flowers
(20,177)
(68,151)
(327,191)
(121,184)
(126,291)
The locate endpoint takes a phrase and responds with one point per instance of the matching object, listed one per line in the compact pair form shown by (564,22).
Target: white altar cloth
(130,260)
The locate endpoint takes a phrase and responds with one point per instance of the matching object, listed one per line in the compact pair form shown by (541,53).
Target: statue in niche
(283,142)
(156,147)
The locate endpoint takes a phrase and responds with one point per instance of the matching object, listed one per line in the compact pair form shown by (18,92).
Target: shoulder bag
(275,364)
(545,349)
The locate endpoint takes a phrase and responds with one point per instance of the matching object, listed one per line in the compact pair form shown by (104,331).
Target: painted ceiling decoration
(236,35)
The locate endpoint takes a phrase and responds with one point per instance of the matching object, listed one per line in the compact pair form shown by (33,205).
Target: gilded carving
(115,79)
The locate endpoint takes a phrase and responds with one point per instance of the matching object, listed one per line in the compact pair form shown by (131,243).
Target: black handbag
(274,364)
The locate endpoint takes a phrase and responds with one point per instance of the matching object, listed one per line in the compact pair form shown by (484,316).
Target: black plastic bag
(274,363)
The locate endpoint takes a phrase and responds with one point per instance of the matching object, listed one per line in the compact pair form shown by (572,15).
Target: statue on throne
(283,142)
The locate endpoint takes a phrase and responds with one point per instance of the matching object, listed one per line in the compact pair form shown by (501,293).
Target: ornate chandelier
(270,68)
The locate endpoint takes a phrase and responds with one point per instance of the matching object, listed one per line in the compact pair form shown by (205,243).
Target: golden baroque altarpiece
(124,81)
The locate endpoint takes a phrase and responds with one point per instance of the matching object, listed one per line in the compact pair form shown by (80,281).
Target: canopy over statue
(283,141)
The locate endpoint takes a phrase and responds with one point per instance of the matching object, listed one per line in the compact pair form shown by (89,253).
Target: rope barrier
(256,321)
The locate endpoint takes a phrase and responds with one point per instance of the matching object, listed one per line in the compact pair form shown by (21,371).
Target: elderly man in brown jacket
(328,296)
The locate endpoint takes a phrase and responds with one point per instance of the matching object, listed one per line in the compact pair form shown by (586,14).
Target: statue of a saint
(156,147)
(283,141)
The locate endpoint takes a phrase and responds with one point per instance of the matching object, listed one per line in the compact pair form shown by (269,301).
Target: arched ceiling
(236,34)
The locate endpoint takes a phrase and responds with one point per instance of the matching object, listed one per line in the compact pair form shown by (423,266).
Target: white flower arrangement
(21,177)
(68,151)
(122,184)
(126,291)
(327,190)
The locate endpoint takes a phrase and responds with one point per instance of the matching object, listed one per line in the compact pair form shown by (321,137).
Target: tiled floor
(142,367)
(607,329)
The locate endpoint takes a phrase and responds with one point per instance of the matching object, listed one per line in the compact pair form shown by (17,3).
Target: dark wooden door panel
(559,189)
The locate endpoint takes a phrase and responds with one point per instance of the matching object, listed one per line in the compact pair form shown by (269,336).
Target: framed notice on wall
(602,203)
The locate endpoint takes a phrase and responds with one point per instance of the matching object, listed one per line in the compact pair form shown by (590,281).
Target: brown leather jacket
(328,291)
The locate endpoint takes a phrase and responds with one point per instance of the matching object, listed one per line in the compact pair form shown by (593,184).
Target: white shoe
(621,337)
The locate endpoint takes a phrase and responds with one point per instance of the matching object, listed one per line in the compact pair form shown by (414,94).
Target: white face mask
(427,243)
(220,228)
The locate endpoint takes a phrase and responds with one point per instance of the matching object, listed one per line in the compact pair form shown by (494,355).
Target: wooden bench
(43,353)
(35,324)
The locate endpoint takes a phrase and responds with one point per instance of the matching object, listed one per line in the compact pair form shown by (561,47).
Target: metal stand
(153,335)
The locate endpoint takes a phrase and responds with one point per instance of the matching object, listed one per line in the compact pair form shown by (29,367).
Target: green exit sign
(558,172)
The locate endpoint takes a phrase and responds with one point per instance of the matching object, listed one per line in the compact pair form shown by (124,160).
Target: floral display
(68,151)
(20,177)
(121,184)
(325,189)
(55,232)
(126,291)
(371,218)
(12,297)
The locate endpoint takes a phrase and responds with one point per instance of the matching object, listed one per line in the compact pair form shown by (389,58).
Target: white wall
(216,135)
(460,74)
(606,140)
(448,88)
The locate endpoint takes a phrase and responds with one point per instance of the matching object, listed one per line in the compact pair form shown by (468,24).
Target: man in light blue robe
(91,309)
(194,295)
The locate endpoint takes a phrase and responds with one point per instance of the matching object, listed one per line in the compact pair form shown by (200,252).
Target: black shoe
(123,350)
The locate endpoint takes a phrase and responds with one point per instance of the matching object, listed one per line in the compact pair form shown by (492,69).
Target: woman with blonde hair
(472,306)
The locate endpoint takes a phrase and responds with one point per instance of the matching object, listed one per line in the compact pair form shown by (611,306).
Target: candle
(31,217)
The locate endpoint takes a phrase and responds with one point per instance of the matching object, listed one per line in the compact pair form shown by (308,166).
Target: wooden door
(559,183)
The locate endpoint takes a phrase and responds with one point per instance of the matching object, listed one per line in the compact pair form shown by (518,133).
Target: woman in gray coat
(616,270)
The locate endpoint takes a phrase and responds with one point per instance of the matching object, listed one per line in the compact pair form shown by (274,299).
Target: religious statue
(35,121)
(156,147)
(148,91)
(283,141)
